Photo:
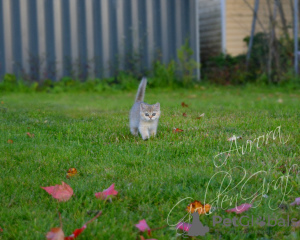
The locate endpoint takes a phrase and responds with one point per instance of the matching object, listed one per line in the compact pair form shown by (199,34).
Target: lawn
(90,132)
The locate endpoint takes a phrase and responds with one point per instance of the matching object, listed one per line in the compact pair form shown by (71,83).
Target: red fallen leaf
(1,230)
(184,114)
(107,192)
(297,201)
(239,209)
(10,141)
(61,192)
(55,234)
(183,226)
(58,234)
(142,225)
(76,233)
(80,230)
(184,105)
(31,135)
(177,130)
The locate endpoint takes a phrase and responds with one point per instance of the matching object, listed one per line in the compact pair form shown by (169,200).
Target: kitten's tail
(141,91)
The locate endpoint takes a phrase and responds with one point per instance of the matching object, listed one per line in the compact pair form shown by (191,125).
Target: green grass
(90,132)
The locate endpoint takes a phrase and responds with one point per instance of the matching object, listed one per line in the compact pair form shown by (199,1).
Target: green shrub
(187,65)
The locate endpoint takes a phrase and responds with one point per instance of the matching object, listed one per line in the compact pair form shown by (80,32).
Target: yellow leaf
(71,172)
(198,206)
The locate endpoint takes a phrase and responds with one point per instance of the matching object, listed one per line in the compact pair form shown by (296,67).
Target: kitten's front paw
(145,137)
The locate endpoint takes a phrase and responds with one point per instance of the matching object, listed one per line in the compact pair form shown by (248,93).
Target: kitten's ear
(142,106)
(156,106)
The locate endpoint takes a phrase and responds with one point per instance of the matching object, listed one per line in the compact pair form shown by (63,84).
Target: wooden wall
(238,20)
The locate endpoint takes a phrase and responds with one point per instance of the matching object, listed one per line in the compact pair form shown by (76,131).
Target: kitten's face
(149,112)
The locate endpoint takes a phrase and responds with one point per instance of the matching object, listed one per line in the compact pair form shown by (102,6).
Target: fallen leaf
(58,234)
(184,105)
(31,135)
(61,192)
(296,202)
(143,226)
(184,114)
(71,172)
(201,116)
(55,234)
(1,230)
(199,207)
(183,226)
(239,209)
(2,102)
(280,100)
(107,192)
(10,141)
(80,230)
(177,130)
(233,138)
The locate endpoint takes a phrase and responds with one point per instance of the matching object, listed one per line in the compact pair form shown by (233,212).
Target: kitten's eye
(147,114)
(153,114)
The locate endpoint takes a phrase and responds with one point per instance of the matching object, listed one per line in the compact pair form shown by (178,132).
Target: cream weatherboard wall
(225,23)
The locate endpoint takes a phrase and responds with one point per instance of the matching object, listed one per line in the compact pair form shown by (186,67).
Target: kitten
(143,117)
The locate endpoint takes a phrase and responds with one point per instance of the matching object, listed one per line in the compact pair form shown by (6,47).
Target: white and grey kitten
(143,117)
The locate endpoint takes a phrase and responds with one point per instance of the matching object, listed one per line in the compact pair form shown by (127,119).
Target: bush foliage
(264,66)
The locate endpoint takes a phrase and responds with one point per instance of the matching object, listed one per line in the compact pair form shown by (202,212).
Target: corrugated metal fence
(54,38)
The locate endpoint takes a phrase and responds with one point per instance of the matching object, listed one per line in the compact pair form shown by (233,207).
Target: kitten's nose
(150,117)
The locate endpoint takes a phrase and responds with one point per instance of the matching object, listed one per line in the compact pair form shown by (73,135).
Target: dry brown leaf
(177,130)
(71,172)
(55,234)
(184,114)
(198,206)
(184,104)
(10,141)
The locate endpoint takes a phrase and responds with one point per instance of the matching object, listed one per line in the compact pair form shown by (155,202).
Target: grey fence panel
(49,39)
